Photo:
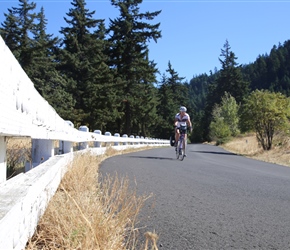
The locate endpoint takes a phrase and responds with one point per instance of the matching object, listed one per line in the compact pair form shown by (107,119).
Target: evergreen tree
(17,27)
(230,79)
(128,53)
(173,93)
(10,32)
(43,70)
(166,109)
(84,64)
(179,88)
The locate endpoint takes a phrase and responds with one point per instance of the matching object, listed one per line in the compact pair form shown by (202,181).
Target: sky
(193,32)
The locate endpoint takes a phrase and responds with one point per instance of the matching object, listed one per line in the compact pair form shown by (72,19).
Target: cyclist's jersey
(182,121)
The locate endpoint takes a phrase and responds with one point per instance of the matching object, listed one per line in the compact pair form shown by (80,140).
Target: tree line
(103,77)
(243,98)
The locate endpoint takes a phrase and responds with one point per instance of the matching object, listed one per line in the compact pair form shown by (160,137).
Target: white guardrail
(24,113)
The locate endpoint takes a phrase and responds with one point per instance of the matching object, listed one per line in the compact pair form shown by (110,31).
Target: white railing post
(98,144)
(83,145)
(132,136)
(125,136)
(66,146)
(108,134)
(116,143)
(41,151)
(3,163)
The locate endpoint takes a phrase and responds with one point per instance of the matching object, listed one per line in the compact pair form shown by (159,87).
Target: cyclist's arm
(189,125)
(175,122)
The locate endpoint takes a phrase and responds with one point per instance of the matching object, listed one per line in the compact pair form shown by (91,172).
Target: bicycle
(180,148)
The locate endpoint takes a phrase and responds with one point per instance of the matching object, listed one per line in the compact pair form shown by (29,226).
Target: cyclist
(181,119)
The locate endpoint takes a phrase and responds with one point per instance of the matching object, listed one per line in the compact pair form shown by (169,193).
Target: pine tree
(84,63)
(178,87)
(43,70)
(230,79)
(10,32)
(173,93)
(166,108)
(129,56)
(17,27)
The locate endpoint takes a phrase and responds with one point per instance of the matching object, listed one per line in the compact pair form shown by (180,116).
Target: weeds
(90,211)
(17,154)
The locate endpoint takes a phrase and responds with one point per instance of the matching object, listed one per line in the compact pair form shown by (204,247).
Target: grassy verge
(89,211)
(248,146)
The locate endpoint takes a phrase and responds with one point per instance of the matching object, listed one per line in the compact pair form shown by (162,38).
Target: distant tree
(178,87)
(225,118)
(230,112)
(172,93)
(266,113)
(129,35)
(219,130)
(166,108)
(230,78)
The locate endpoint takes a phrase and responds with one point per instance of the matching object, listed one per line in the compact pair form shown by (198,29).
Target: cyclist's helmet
(182,108)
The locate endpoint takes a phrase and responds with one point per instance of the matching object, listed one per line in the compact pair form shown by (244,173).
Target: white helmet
(182,108)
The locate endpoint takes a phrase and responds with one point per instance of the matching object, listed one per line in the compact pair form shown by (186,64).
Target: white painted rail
(24,113)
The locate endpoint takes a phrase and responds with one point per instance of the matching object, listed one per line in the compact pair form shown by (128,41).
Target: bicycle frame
(180,152)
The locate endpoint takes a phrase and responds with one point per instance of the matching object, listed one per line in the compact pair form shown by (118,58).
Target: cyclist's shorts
(182,129)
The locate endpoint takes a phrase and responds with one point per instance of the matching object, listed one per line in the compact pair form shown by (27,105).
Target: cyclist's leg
(177,135)
(180,147)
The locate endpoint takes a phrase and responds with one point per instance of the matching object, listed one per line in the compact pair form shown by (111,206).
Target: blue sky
(193,32)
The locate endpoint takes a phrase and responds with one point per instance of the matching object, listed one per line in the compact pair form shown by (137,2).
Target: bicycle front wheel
(181,154)
(182,150)
(177,150)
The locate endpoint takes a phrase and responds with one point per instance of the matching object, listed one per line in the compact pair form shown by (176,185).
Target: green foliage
(172,93)
(266,113)
(225,118)
(228,79)
(129,56)
(219,129)
(103,78)
(83,62)
(230,112)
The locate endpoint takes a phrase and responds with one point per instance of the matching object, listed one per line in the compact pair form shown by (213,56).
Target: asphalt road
(212,200)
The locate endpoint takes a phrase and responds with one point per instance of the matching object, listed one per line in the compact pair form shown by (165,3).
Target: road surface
(213,199)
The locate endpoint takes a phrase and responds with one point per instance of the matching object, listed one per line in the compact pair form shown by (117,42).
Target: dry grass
(18,153)
(248,146)
(92,212)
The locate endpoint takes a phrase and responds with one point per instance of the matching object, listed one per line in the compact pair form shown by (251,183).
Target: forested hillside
(103,77)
